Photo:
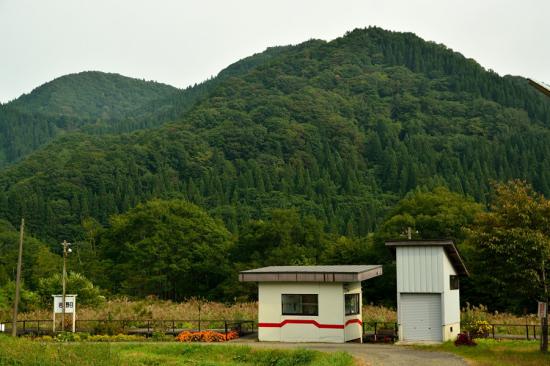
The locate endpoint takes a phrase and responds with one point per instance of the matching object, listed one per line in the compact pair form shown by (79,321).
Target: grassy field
(27,352)
(489,352)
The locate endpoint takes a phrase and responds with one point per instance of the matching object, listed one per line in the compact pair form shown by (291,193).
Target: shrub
(479,328)
(464,339)
(116,338)
(206,336)
(67,337)
(158,336)
(77,283)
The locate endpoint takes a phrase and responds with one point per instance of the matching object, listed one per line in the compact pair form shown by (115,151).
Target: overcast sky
(184,42)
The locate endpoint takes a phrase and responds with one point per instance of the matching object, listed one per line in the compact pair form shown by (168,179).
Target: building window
(300,304)
(352,304)
(454,282)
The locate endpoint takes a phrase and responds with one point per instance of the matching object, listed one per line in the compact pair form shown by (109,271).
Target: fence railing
(510,331)
(389,330)
(144,327)
(375,330)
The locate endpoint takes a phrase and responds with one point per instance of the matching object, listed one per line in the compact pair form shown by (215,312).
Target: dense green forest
(329,135)
(100,103)
(92,95)
(87,100)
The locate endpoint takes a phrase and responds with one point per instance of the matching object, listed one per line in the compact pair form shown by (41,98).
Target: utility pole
(66,250)
(18,280)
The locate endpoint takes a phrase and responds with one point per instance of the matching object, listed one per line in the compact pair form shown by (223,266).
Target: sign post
(60,308)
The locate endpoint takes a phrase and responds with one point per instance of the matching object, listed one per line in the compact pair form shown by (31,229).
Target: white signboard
(70,304)
(542,309)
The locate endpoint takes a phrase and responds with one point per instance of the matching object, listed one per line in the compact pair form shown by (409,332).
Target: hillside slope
(339,130)
(100,103)
(92,95)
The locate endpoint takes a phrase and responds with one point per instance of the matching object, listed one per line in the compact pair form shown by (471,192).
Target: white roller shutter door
(421,317)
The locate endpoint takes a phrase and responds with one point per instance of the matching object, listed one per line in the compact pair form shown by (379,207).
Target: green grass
(28,352)
(489,352)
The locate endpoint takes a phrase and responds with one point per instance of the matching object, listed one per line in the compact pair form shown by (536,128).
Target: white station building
(428,295)
(310,303)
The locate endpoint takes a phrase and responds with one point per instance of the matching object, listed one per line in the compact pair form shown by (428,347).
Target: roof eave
(447,244)
(295,276)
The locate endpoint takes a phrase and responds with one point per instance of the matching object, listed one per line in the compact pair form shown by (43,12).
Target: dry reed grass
(125,309)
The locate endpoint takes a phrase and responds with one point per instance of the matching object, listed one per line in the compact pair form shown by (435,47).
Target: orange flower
(206,336)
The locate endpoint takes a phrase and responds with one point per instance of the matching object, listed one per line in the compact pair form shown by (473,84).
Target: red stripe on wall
(308,321)
(351,321)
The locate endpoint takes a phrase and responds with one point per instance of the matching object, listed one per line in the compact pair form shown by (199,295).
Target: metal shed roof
(350,273)
(448,246)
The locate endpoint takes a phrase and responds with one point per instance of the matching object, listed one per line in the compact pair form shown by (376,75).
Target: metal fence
(388,331)
(510,331)
(375,331)
(144,327)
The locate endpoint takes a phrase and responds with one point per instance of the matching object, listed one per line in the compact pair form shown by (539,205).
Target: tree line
(173,249)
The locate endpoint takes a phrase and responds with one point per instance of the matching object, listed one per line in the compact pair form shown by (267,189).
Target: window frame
(454,282)
(356,311)
(302,303)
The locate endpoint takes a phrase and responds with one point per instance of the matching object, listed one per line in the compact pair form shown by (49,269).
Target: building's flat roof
(345,273)
(448,246)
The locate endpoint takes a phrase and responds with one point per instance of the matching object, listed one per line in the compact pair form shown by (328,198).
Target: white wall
(331,313)
(354,328)
(451,304)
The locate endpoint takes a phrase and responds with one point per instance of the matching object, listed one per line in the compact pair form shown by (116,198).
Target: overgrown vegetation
(489,352)
(26,352)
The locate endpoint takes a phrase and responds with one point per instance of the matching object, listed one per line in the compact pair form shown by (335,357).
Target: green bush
(116,338)
(77,283)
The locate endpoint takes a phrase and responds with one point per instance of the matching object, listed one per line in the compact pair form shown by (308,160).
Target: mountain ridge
(67,93)
(339,130)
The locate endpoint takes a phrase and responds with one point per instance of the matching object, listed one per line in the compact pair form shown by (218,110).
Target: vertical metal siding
(420,269)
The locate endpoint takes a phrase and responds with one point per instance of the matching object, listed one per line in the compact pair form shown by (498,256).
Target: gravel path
(371,354)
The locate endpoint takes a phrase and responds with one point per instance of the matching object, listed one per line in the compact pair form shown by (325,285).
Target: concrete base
(450,331)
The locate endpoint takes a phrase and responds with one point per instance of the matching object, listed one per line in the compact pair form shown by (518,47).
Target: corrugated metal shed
(346,273)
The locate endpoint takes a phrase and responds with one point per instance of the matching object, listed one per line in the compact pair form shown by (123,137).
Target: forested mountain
(100,103)
(84,100)
(338,130)
(92,95)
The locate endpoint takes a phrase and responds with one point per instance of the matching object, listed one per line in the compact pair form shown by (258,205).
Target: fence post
(534,332)
(527,331)
(174,327)
(199,324)
(148,327)
(493,326)
(38,326)
(24,326)
(375,331)
(225,324)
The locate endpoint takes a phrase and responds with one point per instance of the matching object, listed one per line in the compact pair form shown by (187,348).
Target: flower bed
(206,336)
